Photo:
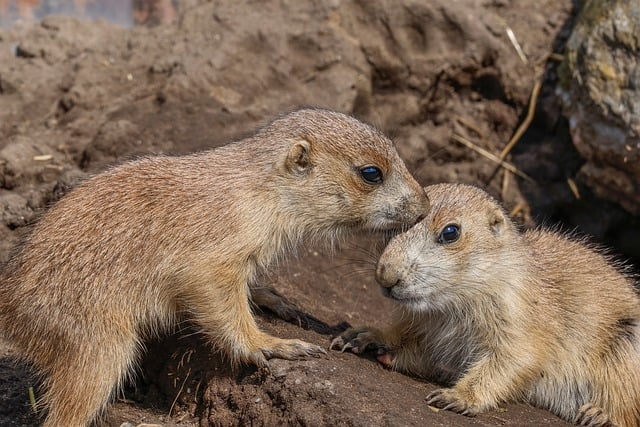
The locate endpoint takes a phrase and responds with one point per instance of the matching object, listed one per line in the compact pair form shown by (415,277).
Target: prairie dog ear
(298,160)
(497,221)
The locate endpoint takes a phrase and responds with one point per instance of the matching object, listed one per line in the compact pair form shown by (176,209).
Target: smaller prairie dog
(506,316)
(129,251)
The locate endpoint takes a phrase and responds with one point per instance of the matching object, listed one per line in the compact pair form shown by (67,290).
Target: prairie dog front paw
(360,340)
(591,416)
(291,349)
(451,399)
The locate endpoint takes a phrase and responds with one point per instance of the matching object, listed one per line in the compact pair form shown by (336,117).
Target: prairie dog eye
(449,234)
(371,174)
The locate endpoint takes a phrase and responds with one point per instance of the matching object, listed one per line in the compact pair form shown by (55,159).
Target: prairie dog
(124,253)
(507,316)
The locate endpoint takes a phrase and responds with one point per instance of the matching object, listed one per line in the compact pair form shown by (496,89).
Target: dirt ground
(78,96)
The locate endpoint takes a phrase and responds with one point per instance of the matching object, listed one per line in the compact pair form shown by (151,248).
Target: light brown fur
(128,251)
(507,316)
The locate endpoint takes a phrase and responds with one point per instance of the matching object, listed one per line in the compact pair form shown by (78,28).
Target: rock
(600,89)
(15,211)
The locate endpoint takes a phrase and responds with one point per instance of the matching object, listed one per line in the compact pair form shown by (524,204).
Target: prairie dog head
(340,172)
(460,251)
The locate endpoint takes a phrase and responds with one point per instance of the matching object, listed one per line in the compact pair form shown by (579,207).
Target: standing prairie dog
(507,316)
(129,250)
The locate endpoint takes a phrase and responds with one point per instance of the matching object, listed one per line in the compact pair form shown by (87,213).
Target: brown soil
(78,96)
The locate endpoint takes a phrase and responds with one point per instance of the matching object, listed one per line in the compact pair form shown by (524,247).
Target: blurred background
(121,12)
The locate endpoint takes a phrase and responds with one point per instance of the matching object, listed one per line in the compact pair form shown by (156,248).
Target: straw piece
(525,123)
(574,188)
(516,45)
(508,166)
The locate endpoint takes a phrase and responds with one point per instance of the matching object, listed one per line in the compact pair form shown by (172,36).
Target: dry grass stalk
(533,100)
(508,166)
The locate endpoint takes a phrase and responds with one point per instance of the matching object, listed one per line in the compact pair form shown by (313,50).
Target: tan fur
(126,252)
(507,316)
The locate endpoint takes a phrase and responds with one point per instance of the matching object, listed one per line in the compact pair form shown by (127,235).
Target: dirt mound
(78,96)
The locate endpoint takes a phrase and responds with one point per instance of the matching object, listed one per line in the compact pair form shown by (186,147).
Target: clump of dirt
(78,96)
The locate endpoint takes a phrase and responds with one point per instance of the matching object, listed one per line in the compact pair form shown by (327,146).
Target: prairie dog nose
(386,275)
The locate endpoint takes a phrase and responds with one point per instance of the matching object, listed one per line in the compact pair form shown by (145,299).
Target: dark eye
(449,234)
(371,174)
